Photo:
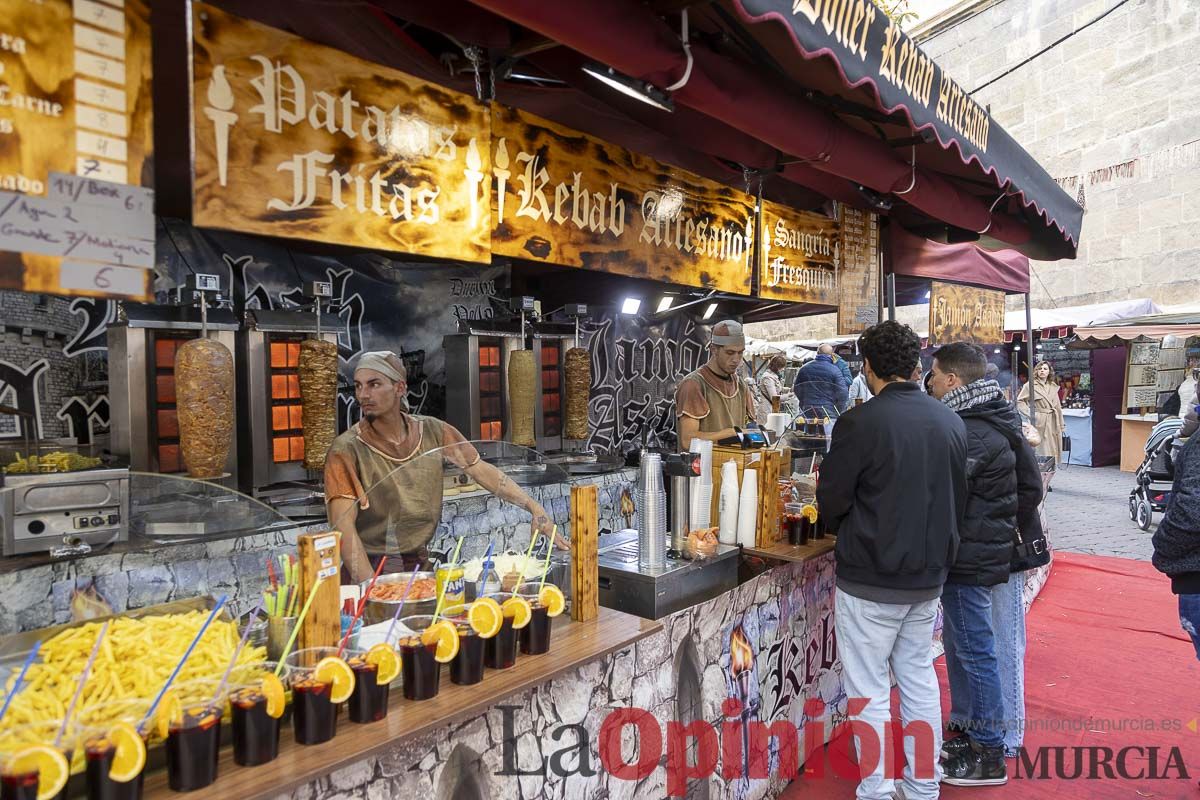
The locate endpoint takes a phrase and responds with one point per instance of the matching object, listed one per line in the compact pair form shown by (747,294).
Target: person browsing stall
(713,403)
(382,509)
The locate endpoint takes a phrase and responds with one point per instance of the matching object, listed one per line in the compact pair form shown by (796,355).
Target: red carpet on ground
(1106,666)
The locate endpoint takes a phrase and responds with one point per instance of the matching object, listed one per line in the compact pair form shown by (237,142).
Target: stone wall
(1111,112)
(786,616)
(41,596)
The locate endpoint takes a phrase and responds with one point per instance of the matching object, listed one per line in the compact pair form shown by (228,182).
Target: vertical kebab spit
(522,376)
(204,401)
(578,369)
(318,399)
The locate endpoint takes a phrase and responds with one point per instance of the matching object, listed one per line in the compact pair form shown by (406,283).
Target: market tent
(1155,326)
(913,256)
(1058,322)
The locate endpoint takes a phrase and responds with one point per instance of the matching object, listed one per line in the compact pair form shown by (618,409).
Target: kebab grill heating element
(142,344)
(272,467)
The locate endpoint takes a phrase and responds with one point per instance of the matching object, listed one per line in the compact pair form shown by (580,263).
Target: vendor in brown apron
(383,477)
(713,402)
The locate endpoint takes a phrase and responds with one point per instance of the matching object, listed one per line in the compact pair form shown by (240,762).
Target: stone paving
(1088,512)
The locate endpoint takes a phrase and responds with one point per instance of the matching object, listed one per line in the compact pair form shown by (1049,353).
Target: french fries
(135,658)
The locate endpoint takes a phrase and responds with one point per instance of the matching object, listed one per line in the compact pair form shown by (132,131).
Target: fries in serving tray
(134,660)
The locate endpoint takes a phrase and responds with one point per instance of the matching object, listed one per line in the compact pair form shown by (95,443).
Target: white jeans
(871,637)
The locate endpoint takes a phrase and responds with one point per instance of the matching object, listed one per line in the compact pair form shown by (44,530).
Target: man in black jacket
(893,487)
(1000,467)
(1177,540)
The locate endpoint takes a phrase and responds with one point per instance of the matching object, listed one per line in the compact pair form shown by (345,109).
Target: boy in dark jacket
(894,488)
(1001,467)
(1177,540)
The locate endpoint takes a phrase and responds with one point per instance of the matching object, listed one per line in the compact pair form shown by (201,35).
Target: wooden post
(585,542)
(321,557)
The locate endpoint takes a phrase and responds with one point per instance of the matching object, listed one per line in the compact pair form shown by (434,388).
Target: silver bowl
(383,610)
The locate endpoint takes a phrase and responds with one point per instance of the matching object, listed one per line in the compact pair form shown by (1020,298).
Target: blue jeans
(1008,628)
(967,622)
(873,637)
(1189,618)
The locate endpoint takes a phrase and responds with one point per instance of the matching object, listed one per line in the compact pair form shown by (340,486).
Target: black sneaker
(955,747)
(976,767)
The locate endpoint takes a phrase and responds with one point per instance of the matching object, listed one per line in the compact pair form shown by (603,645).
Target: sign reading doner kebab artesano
(801,256)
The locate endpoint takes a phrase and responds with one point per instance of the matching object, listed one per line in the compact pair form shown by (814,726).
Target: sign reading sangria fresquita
(563,197)
(801,256)
(298,140)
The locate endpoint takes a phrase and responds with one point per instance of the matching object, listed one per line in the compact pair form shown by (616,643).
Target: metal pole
(891,296)
(1029,355)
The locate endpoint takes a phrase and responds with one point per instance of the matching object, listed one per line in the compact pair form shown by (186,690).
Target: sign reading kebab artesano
(965,314)
(801,256)
(299,140)
(563,197)
(76,135)
(858,277)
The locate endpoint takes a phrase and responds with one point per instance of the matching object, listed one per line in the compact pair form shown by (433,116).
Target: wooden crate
(769,464)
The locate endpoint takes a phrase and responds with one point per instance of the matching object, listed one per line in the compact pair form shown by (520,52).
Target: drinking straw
(16,687)
(83,677)
(287,649)
(186,654)
(546,563)
(362,605)
(529,553)
(404,599)
(245,635)
(487,562)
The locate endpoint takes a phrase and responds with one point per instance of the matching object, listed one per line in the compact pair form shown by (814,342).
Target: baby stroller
(1156,474)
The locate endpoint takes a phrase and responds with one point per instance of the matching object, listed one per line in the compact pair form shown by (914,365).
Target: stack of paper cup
(777,423)
(702,487)
(748,509)
(729,503)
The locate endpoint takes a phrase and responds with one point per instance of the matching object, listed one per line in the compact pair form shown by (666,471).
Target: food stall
(1161,353)
(338,193)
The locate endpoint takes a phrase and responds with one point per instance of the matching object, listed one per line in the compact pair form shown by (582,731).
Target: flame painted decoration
(741,655)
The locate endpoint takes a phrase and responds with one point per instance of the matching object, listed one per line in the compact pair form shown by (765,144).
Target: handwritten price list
(858,284)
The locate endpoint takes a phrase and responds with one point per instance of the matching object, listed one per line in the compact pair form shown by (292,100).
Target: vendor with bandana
(382,509)
(713,402)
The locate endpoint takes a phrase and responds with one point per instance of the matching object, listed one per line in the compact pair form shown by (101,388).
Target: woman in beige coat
(1049,419)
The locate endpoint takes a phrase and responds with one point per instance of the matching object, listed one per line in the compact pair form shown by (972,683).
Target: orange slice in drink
(809,512)
(170,712)
(387,663)
(552,598)
(129,755)
(519,609)
(445,635)
(50,765)
(272,689)
(338,675)
(485,617)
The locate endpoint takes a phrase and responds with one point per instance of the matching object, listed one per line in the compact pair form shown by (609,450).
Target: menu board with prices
(1141,377)
(76,205)
(858,281)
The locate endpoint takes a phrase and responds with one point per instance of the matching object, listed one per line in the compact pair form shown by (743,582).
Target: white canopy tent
(1075,316)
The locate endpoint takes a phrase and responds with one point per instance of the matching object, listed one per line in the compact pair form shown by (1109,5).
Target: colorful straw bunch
(282,599)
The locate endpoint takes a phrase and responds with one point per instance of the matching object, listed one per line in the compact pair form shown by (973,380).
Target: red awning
(914,256)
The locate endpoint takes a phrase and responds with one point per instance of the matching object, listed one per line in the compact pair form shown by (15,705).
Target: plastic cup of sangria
(475,623)
(500,651)
(545,601)
(321,681)
(374,670)
(257,701)
(191,713)
(35,762)
(429,644)
(114,737)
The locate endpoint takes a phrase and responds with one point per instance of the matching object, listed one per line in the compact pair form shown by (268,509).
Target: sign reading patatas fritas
(298,140)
